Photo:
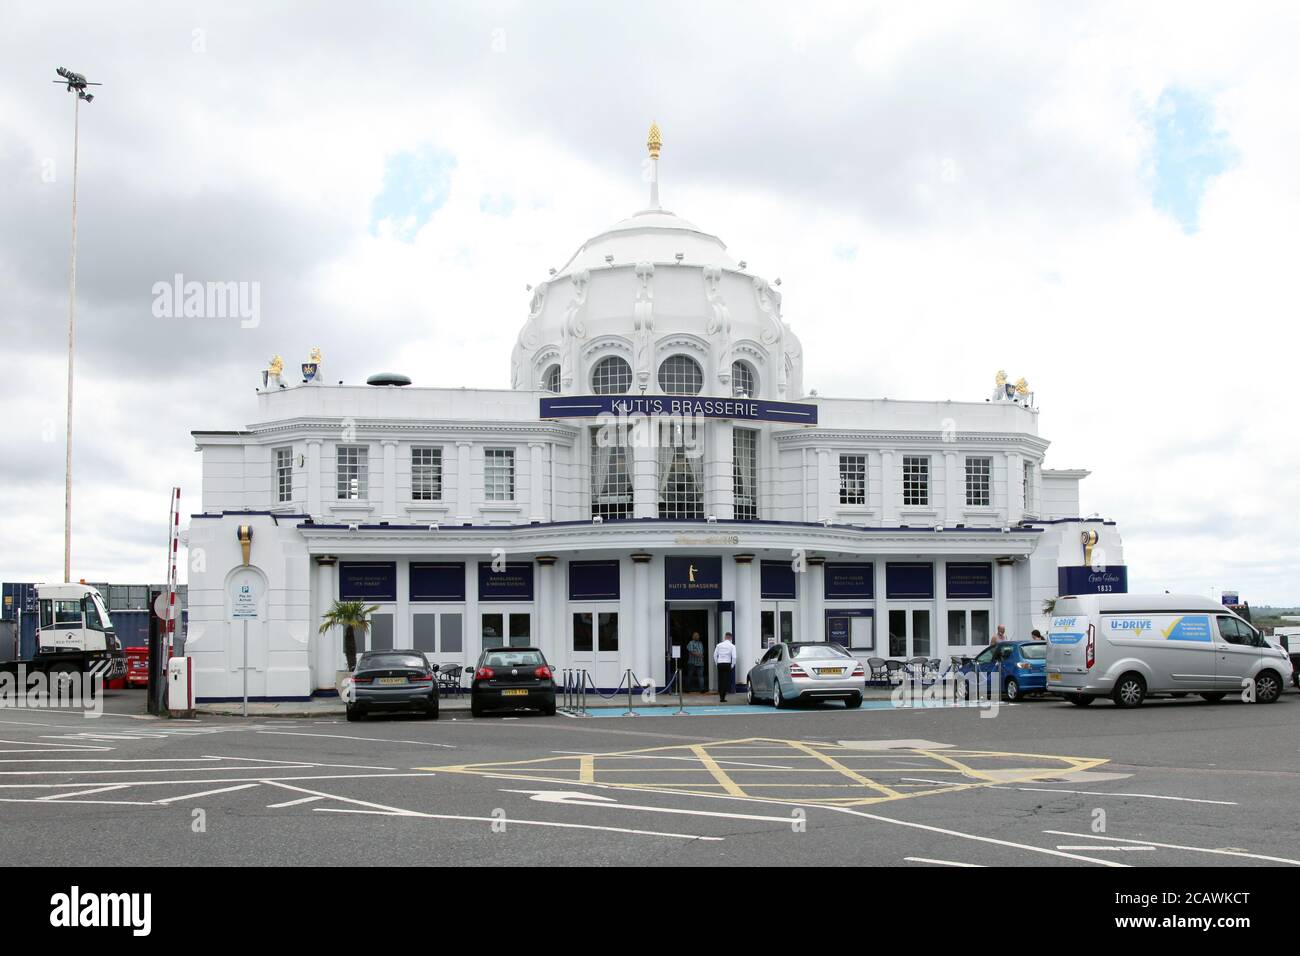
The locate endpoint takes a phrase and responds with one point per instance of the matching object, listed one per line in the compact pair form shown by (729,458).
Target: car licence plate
(392,680)
(514,693)
(831,671)
(1054,675)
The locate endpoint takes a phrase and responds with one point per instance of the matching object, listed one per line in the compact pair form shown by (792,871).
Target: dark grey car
(392,680)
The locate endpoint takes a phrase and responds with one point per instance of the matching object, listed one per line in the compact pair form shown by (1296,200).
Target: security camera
(434,526)
(354,527)
(598,519)
(938,527)
(712,519)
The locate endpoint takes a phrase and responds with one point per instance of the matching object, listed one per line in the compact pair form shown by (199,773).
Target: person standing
(724,656)
(695,663)
(1001,635)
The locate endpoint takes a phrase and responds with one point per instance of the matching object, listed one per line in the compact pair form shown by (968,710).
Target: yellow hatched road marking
(718,773)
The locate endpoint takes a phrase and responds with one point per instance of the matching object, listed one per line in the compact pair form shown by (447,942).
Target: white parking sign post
(243,607)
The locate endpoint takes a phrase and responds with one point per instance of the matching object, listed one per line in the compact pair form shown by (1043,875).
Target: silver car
(806,671)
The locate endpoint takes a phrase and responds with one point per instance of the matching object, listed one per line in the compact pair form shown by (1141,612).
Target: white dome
(650,287)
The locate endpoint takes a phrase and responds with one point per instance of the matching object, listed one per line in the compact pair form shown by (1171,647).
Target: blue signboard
(737,409)
(1085,580)
(513,583)
(776,580)
(437,581)
(909,580)
(692,579)
(593,581)
(969,580)
(367,580)
(849,580)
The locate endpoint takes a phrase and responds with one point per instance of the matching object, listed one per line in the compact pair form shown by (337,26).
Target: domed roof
(651,235)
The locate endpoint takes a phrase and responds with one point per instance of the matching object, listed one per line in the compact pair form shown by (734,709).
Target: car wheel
(1079,700)
(749,691)
(431,712)
(1214,697)
(854,702)
(1012,689)
(1130,691)
(1268,687)
(778,701)
(475,709)
(353,715)
(549,709)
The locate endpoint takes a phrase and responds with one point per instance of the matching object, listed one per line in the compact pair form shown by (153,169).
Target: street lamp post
(75,83)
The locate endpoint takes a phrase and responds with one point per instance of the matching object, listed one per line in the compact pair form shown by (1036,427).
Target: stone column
(1006,597)
(825,506)
(816,627)
(888,494)
(464,491)
(640,631)
(536,482)
(881,624)
(326,644)
(939,634)
(719,479)
(313,477)
(1015,490)
(548,640)
(748,641)
(388,507)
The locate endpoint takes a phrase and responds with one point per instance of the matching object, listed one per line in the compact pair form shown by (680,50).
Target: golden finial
(654,140)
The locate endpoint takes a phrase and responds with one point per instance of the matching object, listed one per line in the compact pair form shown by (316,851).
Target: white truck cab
(74,633)
(1129,646)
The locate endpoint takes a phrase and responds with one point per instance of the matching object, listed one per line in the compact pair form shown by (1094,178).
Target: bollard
(630,711)
(681,706)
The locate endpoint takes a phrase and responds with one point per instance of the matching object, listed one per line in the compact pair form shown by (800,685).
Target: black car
(393,680)
(517,678)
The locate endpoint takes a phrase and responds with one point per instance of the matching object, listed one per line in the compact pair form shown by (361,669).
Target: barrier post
(681,704)
(630,711)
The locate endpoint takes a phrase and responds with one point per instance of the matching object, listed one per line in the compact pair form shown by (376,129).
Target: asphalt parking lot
(1177,782)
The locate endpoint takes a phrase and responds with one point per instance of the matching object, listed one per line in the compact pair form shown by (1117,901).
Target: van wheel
(1079,700)
(1130,691)
(1214,697)
(1268,687)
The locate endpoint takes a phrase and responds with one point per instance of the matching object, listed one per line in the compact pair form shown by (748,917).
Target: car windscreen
(513,659)
(1033,652)
(818,651)
(379,661)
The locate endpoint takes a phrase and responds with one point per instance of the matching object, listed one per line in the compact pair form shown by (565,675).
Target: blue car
(1021,666)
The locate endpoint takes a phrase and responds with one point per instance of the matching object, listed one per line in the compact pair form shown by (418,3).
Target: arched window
(611,376)
(680,375)
(743,380)
(551,379)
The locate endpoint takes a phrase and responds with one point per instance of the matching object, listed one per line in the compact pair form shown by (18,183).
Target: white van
(1127,646)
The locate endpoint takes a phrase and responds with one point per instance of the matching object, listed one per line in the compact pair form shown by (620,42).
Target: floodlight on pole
(78,83)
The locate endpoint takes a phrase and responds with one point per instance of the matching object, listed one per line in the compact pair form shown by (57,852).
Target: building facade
(656,470)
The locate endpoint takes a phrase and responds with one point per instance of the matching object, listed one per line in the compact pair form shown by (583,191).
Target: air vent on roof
(388,378)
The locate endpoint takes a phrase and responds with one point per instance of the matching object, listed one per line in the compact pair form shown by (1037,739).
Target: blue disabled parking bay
(725,710)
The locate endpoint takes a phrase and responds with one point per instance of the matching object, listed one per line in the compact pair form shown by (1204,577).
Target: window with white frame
(744,468)
(681,470)
(979,482)
(743,380)
(551,379)
(611,376)
(426,474)
(611,483)
(499,474)
(1029,486)
(916,481)
(680,375)
(853,479)
(283,475)
(352,465)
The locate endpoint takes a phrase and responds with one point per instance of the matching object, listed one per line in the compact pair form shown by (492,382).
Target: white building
(619,525)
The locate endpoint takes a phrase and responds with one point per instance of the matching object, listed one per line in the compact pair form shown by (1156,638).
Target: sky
(1098,197)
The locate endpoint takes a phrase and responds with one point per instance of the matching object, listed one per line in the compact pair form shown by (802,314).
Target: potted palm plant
(354,618)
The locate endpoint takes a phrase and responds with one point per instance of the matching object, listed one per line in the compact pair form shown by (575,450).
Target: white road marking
(205,793)
(1176,846)
(926,859)
(173,783)
(304,763)
(45,773)
(377,740)
(292,803)
(578,799)
(526,823)
(86,793)
(1102,793)
(1100,849)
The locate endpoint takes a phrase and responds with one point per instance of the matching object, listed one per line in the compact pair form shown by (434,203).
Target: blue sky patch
(1188,152)
(416,185)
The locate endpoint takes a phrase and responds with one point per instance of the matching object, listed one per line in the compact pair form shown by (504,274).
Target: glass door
(593,643)
(776,623)
(506,628)
(911,631)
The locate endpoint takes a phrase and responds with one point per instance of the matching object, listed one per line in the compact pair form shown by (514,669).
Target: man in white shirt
(724,656)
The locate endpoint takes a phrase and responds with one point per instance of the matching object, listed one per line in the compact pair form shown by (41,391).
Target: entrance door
(593,643)
(911,630)
(439,635)
(684,623)
(776,622)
